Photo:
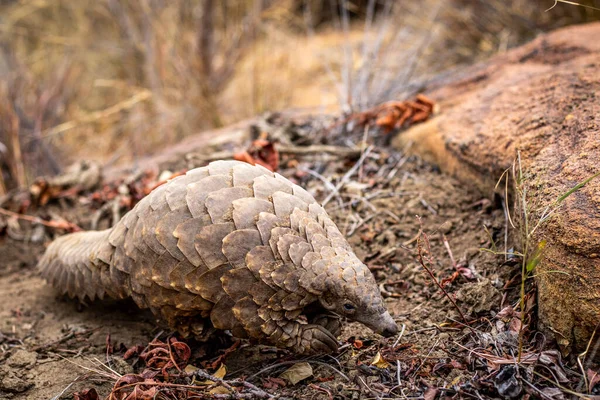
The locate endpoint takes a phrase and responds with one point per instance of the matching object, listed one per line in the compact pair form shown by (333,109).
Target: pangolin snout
(383,324)
(389,326)
(390,331)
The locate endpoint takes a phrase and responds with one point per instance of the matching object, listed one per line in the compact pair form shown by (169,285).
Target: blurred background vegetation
(114,80)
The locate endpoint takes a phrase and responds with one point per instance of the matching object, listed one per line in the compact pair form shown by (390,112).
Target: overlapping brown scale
(128,244)
(209,284)
(315,210)
(308,299)
(139,299)
(284,244)
(176,189)
(338,241)
(276,299)
(265,224)
(194,302)
(140,279)
(244,174)
(276,315)
(156,197)
(222,316)
(149,229)
(238,244)
(197,192)
(246,210)
(117,234)
(327,251)
(84,277)
(313,228)
(197,173)
(309,281)
(222,167)
(298,220)
(119,279)
(209,243)
(166,227)
(269,327)
(293,314)
(161,269)
(103,276)
(157,296)
(219,203)
(303,195)
(121,261)
(185,233)
(285,204)
(178,274)
(319,241)
(292,301)
(349,275)
(258,258)
(276,234)
(191,279)
(265,186)
(246,311)
(281,273)
(143,211)
(237,283)
(261,292)
(69,283)
(297,251)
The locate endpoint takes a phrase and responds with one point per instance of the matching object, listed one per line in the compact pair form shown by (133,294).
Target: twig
(37,220)
(296,362)
(447,245)
(259,393)
(399,336)
(321,389)
(347,175)
(432,276)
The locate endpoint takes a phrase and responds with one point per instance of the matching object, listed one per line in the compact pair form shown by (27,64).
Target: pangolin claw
(315,339)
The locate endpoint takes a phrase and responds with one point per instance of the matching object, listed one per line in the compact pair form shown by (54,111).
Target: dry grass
(112,80)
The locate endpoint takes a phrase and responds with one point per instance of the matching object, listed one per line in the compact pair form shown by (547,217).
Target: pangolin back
(231,242)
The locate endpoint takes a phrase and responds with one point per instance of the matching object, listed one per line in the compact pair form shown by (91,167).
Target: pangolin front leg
(231,244)
(332,323)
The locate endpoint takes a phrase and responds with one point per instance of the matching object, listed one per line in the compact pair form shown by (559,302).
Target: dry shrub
(113,80)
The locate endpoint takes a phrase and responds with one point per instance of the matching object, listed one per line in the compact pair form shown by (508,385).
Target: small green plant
(531,254)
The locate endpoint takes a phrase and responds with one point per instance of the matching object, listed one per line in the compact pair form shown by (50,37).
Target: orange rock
(539,100)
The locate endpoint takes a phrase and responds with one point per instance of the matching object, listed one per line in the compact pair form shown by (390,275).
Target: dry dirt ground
(51,346)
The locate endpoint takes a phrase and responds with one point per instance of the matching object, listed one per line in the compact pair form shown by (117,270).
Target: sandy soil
(49,343)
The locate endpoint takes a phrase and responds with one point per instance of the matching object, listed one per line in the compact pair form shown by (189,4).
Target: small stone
(22,358)
(13,384)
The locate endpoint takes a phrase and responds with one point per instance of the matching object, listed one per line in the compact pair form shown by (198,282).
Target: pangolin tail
(78,264)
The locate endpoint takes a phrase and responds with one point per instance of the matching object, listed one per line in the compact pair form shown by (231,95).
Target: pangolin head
(348,288)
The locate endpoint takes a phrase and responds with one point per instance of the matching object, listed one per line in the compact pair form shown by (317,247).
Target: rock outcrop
(539,101)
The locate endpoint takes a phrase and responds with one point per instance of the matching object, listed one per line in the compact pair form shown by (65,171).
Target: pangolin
(233,244)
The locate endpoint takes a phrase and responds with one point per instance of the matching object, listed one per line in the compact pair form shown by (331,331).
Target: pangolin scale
(233,244)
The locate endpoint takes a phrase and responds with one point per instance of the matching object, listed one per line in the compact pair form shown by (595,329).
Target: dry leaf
(593,378)
(430,393)
(297,372)
(190,369)
(379,362)
(218,390)
(221,372)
